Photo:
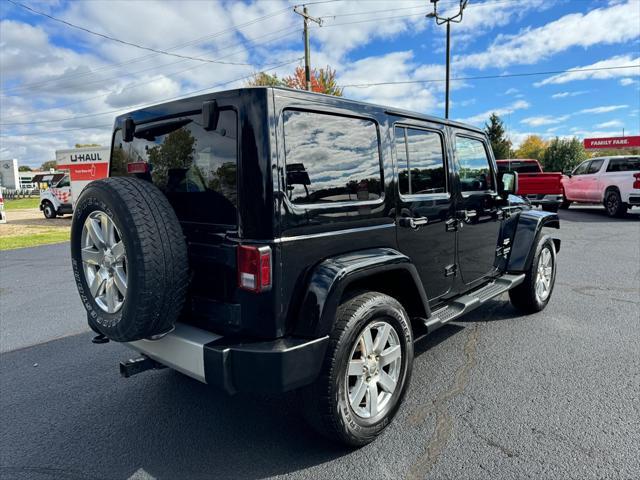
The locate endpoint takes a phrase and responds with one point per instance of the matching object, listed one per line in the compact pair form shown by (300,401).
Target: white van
(57,199)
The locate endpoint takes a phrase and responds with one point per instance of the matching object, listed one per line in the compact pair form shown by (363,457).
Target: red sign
(611,142)
(88,171)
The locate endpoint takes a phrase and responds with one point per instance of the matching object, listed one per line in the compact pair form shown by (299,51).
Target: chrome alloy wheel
(104,261)
(374,369)
(544,274)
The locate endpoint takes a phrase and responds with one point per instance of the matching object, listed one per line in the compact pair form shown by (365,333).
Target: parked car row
(611,181)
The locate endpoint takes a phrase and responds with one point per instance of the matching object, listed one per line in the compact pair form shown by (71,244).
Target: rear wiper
(151,132)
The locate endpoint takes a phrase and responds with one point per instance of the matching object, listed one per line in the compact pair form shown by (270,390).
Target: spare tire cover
(129,258)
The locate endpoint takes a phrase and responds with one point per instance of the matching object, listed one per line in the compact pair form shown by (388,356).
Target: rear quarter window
(330,158)
(624,165)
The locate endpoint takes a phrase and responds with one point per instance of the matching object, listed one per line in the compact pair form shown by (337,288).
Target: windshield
(520,167)
(195,168)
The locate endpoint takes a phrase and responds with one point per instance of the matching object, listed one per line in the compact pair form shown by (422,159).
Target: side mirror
(210,115)
(508,184)
(128,130)
(568,173)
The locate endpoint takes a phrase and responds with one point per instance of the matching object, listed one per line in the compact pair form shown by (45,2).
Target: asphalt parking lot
(498,395)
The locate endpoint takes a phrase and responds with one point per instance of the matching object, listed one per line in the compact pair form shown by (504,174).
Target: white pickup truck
(611,181)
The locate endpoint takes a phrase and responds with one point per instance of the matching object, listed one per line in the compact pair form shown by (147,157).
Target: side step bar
(472,300)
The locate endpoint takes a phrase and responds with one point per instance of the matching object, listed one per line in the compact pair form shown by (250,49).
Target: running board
(472,300)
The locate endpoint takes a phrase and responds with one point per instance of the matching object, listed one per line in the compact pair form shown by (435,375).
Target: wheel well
(398,284)
(611,187)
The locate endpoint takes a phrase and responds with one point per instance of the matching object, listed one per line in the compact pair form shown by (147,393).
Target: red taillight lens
(636,182)
(254,268)
(137,167)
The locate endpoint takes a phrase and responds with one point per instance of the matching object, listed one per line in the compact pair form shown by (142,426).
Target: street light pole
(457,18)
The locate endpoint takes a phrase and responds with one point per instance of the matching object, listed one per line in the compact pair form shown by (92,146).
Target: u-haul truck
(83,165)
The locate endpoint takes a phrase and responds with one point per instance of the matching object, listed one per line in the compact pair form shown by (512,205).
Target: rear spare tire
(129,258)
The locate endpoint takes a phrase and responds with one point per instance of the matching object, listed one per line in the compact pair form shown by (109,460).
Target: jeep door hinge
(450,270)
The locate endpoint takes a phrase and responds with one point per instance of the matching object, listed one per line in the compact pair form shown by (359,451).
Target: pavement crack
(444,422)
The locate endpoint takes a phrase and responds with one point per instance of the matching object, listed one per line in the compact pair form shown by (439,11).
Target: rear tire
(339,404)
(550,207)
(49,210)
(613,204)
(534,293)
(129,258)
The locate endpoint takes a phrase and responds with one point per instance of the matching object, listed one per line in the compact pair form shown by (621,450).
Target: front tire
(366,370)
(534,293)
(49,210)
(613,204)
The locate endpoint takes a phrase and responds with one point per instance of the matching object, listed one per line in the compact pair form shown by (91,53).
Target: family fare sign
(611,142)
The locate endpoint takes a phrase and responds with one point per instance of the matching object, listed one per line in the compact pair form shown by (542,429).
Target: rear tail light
(636,181)
(137,167)
(254,268)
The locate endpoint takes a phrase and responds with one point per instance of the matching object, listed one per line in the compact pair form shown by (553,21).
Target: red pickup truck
(544,189)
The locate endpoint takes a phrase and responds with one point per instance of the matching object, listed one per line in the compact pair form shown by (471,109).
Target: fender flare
(527,230)
(331,277)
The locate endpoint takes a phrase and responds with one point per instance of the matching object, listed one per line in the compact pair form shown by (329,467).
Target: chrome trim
(331,233)
(182,349)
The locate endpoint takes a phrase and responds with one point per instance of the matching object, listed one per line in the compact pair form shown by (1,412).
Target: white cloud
(543,120)
(604,109)
(625,82)
(587,71)
(506,110)
(607,25)
(610,124)
(569,94)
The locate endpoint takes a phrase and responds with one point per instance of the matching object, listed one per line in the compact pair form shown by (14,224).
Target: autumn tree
(532,147)
(563,154)
(24,168)
(322,81)
(500,144)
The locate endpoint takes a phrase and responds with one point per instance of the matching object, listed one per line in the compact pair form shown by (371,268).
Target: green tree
(49,164)
(175,153)
(532,147)
(563,154)
(500,144)
(262,79)
(24,168)
(82,145)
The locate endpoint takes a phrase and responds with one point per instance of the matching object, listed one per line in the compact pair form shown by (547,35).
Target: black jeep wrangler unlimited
(267,239)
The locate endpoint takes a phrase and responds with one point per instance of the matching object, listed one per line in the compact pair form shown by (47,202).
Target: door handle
(451,225)
(412,222)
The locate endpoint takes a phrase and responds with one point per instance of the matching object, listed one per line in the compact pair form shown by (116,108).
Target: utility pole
(307,54)
(457,18)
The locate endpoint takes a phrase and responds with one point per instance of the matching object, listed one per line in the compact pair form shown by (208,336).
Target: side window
(630,164)
(420,161)
(64,182)
(594,166)
(582,168)
(330,158)
(474,169)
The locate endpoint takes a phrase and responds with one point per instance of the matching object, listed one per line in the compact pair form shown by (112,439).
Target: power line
(124,42)
(147,104)
(195,41)
(135,85)
(486,77)
(58,131)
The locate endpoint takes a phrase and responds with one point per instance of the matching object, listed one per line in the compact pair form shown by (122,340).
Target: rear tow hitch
(134,366)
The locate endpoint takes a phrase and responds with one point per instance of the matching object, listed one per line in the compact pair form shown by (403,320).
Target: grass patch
(20,203)
(34,239)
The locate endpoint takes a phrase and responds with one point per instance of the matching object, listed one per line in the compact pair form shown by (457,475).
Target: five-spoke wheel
(104,261)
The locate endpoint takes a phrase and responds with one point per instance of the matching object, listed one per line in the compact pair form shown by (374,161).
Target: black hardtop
(193,105)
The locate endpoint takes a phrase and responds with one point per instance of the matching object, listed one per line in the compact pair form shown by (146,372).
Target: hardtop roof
(190,104)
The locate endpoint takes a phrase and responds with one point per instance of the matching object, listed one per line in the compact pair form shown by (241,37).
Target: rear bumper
(238,366)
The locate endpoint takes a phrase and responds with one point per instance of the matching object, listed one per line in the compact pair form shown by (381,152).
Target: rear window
(624,165)
(520,167)
(196,169)
(330,158)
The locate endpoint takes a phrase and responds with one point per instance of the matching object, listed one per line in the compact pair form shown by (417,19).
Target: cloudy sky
(62,85)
